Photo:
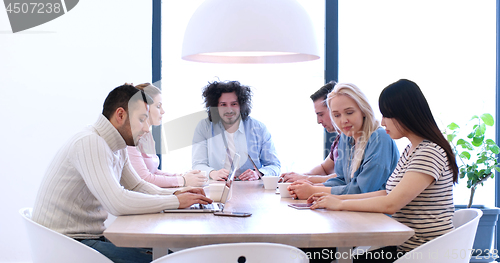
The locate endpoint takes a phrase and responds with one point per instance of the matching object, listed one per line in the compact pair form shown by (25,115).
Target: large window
(281,91)
(447,47)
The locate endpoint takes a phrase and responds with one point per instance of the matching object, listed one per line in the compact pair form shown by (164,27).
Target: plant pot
(484,235)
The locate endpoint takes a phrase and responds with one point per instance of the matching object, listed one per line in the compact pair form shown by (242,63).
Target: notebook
(215,206)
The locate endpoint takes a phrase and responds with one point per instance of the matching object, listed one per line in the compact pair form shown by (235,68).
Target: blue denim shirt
(252,137)
(379,161)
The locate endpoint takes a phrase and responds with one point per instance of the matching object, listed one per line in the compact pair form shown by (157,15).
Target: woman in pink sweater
(144,159)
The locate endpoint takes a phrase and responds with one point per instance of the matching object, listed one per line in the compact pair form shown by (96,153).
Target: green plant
(477,158)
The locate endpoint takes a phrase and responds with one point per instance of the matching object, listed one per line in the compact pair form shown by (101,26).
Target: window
(447,47)
(281,91)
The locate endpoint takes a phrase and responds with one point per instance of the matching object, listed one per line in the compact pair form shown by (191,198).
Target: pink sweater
(146,165)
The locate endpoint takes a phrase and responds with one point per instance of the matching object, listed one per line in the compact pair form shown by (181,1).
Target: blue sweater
(379,160)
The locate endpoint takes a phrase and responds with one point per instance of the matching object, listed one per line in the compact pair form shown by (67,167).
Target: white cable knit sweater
(91,176)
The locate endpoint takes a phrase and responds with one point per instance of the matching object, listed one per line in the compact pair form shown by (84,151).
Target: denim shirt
(379,161)
(252,138)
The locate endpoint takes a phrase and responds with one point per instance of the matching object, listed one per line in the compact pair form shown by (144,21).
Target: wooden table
(271,221)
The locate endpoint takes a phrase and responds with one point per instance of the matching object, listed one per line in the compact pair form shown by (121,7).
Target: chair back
(238,253)
(454,246)
(49,246)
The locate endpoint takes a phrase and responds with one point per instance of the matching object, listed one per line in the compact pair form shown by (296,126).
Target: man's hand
(194,190)
(219,175)
(187,199)
(249,175)
(292,177)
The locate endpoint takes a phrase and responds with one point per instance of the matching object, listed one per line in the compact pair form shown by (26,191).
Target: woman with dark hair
(419,192)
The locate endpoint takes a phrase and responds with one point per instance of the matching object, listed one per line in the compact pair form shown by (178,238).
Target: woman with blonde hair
(366,154)
(143,156)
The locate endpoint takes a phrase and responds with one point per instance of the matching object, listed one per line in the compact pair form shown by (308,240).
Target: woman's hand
(314,197)
(301,190)
(195,178)
(324,200)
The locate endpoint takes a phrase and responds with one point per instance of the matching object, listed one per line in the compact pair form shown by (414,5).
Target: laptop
(215,206)
(255,166)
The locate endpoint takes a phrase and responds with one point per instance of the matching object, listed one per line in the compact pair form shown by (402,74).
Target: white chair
(48,246)
(454,246)
(238,253)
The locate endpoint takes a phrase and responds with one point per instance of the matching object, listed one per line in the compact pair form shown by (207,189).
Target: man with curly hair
(229,130)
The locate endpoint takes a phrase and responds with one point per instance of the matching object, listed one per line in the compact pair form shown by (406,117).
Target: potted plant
(477,163)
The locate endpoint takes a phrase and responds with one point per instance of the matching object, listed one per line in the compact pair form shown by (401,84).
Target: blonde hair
(370,124)
(149,89)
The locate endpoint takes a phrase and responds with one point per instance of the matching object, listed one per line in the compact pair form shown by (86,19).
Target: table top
(272,221)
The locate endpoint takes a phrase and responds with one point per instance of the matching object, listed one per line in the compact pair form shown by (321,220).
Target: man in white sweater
(91,176)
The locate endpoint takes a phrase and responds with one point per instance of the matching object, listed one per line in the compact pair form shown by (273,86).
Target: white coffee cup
(270,182)
(204,173)
(215,191)
(283,189)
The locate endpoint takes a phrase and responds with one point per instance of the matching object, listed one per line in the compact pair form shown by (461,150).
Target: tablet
(236,214)
(301,205)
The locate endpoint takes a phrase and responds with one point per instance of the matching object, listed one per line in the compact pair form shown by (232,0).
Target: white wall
(53,81)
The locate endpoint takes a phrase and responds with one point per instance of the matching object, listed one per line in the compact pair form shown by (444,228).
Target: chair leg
(159,252)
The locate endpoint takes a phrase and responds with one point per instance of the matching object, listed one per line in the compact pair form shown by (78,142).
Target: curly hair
(213,91)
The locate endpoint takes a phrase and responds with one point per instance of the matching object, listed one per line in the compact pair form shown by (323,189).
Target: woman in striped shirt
(419,191)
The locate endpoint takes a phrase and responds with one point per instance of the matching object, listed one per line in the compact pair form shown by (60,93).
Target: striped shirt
(91,176)
(430,213)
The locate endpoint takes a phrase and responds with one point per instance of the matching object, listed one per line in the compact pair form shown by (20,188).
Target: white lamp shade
(250,31)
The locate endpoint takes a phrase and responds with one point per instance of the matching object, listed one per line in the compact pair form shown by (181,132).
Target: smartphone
(301,205)
(237,214)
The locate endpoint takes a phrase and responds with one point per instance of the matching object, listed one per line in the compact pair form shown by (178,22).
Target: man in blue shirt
(229,130)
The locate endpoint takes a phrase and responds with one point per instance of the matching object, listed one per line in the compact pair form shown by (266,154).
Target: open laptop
(255,166)
(215,206)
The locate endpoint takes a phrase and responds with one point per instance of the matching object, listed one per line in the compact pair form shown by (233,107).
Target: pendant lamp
(250,31)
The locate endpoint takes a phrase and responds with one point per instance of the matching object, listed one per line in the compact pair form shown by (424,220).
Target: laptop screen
(230,178)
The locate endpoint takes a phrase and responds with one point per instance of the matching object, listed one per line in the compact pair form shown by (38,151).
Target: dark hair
(120,97)
(214,90)
(323,91)
(404,101)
